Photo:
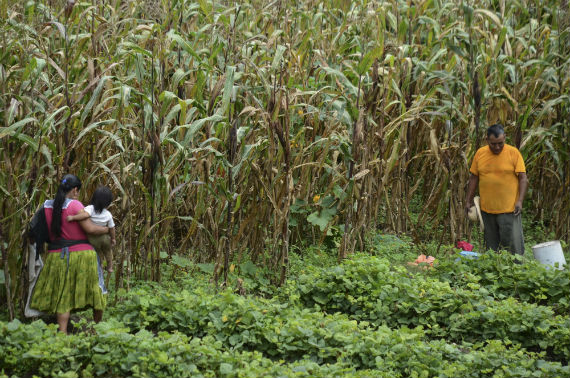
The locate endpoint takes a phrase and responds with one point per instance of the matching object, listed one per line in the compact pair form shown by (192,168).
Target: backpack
(38,230)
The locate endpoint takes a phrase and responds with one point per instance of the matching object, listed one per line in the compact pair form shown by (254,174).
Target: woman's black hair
(101,198)
(65,186)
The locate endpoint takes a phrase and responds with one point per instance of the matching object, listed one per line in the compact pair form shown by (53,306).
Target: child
(97,211)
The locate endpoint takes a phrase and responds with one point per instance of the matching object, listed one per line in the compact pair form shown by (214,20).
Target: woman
(70,277)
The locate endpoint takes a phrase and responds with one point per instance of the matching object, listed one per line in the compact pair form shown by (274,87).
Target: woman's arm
(91,228)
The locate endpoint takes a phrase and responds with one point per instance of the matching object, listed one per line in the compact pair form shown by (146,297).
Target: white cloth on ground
(34,269)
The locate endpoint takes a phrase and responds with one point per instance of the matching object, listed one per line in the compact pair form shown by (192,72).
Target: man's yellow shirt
(498,178)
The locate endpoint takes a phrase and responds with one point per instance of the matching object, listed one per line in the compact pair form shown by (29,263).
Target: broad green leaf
(125,48)
(248,268)
(226,369)
(10,130)
(59,26)
(366,62)
(89,128)
(343,79)
(94,97)
(206,268)
(228,88)
(178,76)
(321,218)
(195,126)
(278,56)
(500,41)
(172,34)
(206,8)
(468,15)
(490,15)
(181,261)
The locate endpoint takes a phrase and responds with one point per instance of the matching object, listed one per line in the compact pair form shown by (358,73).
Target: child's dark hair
(101,198)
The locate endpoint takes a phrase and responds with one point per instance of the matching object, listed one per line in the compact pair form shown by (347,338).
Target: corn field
(236,130)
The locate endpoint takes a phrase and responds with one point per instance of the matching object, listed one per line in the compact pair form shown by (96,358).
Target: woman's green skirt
(61,287)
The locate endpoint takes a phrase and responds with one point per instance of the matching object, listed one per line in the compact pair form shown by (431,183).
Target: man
(499,171)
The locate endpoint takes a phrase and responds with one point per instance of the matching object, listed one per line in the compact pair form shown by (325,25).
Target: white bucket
(549,253)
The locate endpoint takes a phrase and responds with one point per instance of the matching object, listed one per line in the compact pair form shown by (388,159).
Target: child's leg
(109,259)
(101,244)
(106,252)
(101,256)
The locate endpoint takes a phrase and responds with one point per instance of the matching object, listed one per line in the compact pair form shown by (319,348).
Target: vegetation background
(234,132)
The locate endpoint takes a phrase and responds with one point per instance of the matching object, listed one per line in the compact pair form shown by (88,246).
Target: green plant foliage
(370,289)
(114,351)
(230,126)
(247,130)
(529,282)
(366,317)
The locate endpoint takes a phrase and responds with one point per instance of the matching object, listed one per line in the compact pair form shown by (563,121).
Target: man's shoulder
(482,151)
(512,150)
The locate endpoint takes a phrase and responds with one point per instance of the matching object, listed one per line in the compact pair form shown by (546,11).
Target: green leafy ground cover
(369,316)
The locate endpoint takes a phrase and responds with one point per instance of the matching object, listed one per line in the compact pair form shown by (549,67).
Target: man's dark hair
(497,130)
(101,198)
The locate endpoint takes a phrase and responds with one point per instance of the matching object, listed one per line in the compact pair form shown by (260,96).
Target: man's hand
(518,208)
(523,185)
(469,203)
(471,186)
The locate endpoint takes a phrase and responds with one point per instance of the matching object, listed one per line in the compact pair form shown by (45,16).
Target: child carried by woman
(97,211)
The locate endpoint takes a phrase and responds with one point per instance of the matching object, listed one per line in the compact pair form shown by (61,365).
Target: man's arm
(91,228)
(471,187)
(523,186)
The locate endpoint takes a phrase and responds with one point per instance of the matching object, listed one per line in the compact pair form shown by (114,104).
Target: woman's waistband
(75,248)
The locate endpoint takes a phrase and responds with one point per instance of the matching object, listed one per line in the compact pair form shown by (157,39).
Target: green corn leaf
(278,56)
(228,88)
(94,97)
(173,35)
(366,62)
(490,15)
